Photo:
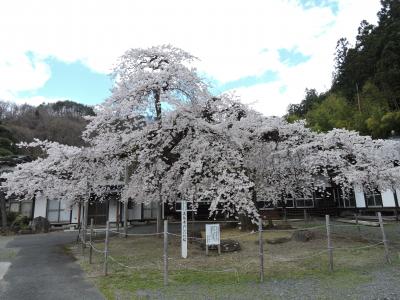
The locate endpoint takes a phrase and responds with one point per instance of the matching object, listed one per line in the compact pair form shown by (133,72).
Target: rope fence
(331,231)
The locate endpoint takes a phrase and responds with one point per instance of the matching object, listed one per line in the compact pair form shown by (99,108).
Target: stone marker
(40,225)
(303,235)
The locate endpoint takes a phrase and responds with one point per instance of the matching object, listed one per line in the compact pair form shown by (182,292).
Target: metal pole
(90,241)
(165,252)
(385,244)
(330,248)
(261,245)
(106,249)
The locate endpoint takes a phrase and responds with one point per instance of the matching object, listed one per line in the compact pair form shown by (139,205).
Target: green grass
(150,282)
(196,274)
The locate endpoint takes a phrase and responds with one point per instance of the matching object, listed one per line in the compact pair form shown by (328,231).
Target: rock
(40,224)
(226,246)
(279,240)
(303,235)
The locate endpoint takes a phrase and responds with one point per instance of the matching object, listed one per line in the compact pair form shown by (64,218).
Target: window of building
(178,206)
(373,199)
(344,201)
(26,208)
(288,203)
(14,207)
(263,205)
(57,211)
(304,202)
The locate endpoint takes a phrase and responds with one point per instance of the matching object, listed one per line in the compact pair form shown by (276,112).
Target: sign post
(184,228)
(213,236)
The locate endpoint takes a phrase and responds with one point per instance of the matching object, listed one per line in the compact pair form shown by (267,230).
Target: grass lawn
(233,273)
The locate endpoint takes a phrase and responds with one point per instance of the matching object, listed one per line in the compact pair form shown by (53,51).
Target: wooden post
(165,252)
(106,249)
(3,210)
(126,219)
(305,215)
(118,215)
(90,240)
(159,209)
(385,244)
(126,181)
(358,225)
(261,246)
(330,249)
(159,214)
(193,233)
(79,237)
(84,223)
(206,249)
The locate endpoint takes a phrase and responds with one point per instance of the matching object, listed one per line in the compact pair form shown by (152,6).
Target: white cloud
(228,36)
(19,73)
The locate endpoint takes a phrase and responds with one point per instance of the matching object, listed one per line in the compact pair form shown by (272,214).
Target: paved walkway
(41,269)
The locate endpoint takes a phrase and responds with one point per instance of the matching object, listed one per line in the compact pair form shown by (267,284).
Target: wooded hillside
(365,93)
(62,122)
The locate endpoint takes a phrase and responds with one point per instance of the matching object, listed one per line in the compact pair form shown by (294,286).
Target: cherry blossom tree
(354,161)
(180,143)
(145,81)
(198,163)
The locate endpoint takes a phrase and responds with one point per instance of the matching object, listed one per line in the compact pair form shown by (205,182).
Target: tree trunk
(159,211)
(157,105)
(159,218)
(3,210)
(245,223)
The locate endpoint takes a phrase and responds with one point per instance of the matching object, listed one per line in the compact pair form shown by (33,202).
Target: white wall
(388,199)
(40,206)
(112,210)
(75,214)
(359,195)
(136,212)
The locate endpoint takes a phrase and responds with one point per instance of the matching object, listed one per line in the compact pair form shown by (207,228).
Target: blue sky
(332,4)
(267,52)
(72,81)
(75,81)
